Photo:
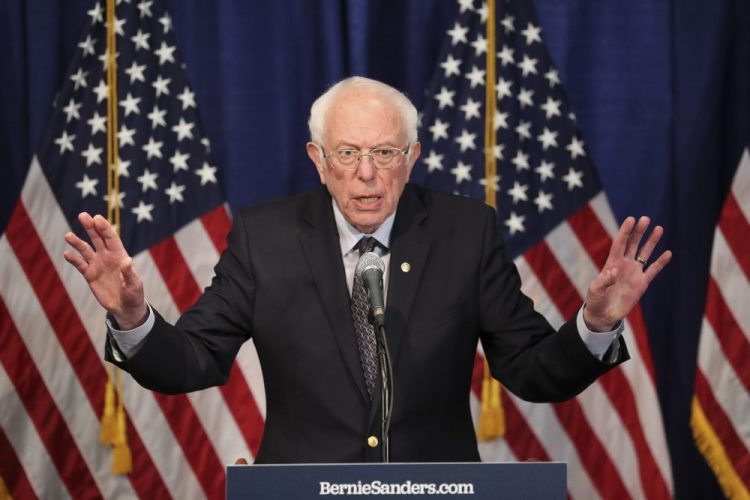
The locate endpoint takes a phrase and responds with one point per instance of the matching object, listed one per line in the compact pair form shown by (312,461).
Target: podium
(507,481)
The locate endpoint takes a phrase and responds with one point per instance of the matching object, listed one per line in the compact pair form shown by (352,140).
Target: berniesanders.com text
(405,488)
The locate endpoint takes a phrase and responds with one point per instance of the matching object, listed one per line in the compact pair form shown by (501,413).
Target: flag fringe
(4,492)
(108,426)
(713,451)
(491,417)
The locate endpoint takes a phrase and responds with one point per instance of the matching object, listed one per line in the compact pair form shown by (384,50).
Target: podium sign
(508,481)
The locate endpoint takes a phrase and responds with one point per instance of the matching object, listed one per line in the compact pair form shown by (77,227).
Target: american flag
(52,331)
(721,402)
(558,227)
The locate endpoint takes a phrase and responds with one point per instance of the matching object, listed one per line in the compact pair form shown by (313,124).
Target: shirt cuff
(129,341)
(598,343)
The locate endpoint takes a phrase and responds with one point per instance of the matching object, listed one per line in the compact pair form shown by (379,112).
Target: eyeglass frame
(374,163)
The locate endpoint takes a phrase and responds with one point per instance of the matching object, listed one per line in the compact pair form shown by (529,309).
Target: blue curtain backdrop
(660,90)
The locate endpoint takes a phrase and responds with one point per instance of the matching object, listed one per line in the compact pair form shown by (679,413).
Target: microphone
(370,268)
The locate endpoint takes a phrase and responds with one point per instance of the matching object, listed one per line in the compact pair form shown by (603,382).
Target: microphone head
(367,261)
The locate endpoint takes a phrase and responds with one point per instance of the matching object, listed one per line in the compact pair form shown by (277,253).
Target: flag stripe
(732,282)
(55,303)
(241,402)
(11,471)
(738,453)
(43,412)
(175,273)
(217,224)
(736,231)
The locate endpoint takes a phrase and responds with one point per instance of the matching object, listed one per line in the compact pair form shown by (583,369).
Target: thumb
(606,278)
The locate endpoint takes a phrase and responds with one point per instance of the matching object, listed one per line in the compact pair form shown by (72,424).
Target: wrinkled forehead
(363,118)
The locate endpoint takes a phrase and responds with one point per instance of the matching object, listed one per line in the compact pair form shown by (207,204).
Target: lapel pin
(405,267)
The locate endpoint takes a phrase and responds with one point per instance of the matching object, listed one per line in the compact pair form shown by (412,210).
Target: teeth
(368,199)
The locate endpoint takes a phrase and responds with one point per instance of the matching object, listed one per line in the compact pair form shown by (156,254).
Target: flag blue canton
(167,178)
(545,173)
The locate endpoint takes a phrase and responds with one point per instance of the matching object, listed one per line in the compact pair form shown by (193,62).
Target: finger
(621,238)
(76,261)
(648,248)
(108,234)
(655,267)
(129,275)
(88,225)
(634,239)
(81,246)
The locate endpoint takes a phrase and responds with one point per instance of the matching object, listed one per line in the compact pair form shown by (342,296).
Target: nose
(366,168)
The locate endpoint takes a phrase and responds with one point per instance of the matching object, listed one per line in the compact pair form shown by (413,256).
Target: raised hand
(109,271)
(625,276)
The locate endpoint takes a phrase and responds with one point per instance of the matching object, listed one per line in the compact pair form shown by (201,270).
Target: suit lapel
(320,241)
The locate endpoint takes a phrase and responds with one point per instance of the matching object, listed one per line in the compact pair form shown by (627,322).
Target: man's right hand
(109,271)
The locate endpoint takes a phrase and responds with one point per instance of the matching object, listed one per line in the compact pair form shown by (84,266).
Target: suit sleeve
(198,351)
(523,350)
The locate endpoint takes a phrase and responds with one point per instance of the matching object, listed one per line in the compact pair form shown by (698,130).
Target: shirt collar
(349,235)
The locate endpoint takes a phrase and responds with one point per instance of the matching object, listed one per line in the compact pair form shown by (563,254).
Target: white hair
(322,104)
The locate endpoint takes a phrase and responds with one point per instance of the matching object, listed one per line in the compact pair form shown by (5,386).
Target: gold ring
(640,260)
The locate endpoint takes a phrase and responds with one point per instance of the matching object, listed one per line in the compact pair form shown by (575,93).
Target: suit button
(372,441)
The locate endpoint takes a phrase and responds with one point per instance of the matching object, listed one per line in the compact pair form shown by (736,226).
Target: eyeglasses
(349,158)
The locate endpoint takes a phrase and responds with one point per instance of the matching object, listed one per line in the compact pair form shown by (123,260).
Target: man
(285,281)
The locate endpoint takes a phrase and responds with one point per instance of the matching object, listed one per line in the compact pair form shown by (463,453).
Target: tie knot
(366,244)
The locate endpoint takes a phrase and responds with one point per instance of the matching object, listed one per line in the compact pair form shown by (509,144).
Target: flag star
(161,85)
(65,142)
(165,53)
(548,139)
(71,110)
(120,199)
(515,223)
(528,65)
(575,147)
(524,97)
(475,76)
(497,150)
(166,22)
(451,66)
(507,23)
(97,123)
(466,140)
(87,46)
(506,56)
(524,129)
(92,155)
(148,180)
(543,201)
(551,108)
(123,167)
(518,192)
(101,91)
(445,98)
(104,58)
(503,88)
(495,183)
(130,104)
(573,178)
(140,40)
(572,116)
(545,170)
(471,109)
(521,161)
(157,117)
(119,23)
(552,77)
(87,186)
(531,33)
(501,120)
(183,130)
(175,192)
(458,34)
(145,8)
(207,144)
(462,171)
(125,136)
(480,45)
(439,130)
(483,12)
(179,160)
(96,13)
(143,211)
(135,72)
(153,148)
(188,98)
(434,161)
(207,173)
(465,5)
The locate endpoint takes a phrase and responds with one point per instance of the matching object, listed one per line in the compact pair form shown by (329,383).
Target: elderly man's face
(361,120)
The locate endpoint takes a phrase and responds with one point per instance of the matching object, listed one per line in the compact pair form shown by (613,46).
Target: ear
(414,152)
(316,156)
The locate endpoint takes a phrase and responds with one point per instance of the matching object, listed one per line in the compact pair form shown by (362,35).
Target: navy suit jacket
(281,282)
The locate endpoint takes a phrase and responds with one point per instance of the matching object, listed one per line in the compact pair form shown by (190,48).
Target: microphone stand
(386,392)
